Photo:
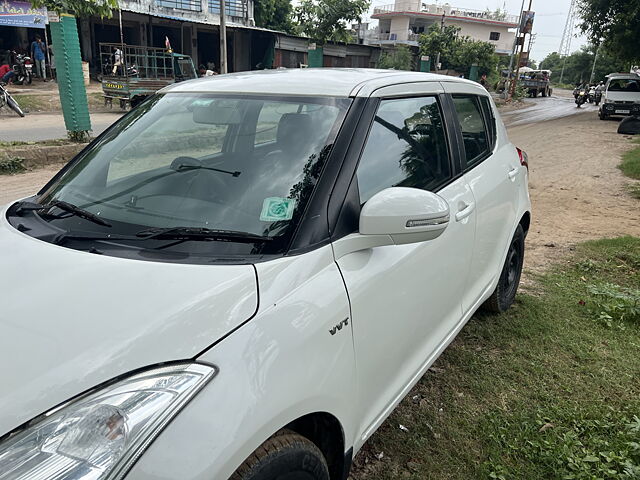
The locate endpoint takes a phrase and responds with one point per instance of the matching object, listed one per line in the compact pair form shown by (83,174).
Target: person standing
(37,53)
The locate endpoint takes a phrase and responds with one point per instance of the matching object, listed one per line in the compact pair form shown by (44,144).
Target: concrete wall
(400,28)
(479,31)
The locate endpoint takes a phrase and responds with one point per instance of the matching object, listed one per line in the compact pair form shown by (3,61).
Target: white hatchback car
(244,275)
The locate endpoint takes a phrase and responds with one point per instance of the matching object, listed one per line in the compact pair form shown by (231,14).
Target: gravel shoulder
(577,191)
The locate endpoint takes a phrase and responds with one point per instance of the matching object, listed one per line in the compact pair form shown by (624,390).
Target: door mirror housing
(406,215)
(396,216)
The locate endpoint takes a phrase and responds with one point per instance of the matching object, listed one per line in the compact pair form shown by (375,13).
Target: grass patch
(630,165)
(32,103)
(11,165)
(45,143)
(546,391)
(634,190)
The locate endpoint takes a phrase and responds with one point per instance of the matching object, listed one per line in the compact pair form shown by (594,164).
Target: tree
(457,52)
(614,22)
(80,8)
(578,65)
(274,14)
(440,40)
(326,20)
(397,59)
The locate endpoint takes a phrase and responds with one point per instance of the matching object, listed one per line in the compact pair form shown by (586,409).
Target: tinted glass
(624,85)
(183,160)
(474,133)
(406,147)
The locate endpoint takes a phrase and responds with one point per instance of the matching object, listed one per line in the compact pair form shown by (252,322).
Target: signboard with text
(22,14)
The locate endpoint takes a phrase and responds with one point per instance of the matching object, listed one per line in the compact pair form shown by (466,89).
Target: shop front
(19,25)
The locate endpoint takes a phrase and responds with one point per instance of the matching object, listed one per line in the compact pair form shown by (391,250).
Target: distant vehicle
(537,82)
(582,95)
(130,73)
(243,277)
(6,99)
(621,95)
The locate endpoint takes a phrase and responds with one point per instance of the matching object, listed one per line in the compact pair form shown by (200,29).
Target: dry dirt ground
(577,191)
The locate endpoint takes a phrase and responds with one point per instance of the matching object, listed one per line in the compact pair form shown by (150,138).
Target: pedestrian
(7,74)
(483,80)
(37,53)
(117,60)
(52,62)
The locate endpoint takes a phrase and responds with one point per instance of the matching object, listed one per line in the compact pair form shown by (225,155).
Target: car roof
(629,76)
(334,82)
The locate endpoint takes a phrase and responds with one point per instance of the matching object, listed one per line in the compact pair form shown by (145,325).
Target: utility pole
(223,37)
(438,56)
(515,78)
(593,68)
(515,40)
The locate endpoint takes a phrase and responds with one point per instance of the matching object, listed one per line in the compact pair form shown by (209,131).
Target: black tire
(285,456)
(544,92)
(602,115)
(14,106)
(505,293)
(29,79)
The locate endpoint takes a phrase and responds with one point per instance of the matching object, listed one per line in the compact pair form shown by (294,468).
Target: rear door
(492,169)
(406,299)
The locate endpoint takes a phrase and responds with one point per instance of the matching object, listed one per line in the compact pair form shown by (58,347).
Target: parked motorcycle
(23,68)
(6,99)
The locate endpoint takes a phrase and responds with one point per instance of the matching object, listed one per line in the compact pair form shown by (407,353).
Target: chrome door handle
(513,173)
(465,212)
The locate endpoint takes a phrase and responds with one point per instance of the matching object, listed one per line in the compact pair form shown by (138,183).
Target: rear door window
(406,147)
(474,130)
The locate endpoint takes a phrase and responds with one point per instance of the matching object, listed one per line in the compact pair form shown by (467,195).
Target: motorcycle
(581,98)
(23,68)
(597,97)
(591,98)
(6,99)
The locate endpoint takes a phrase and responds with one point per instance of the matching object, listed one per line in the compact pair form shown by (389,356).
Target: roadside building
(19,24)
(402,23)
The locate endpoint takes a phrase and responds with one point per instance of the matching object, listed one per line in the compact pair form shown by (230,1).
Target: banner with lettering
(21,14)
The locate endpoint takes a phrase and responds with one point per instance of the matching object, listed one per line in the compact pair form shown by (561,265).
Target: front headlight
(99,436)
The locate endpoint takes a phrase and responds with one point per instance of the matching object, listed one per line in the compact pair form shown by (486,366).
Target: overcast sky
(551,16)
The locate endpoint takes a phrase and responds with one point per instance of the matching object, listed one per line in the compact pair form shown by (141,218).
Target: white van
(621,96)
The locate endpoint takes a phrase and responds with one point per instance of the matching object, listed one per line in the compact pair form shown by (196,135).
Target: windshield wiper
(185,164)
(196,233)
(65,206)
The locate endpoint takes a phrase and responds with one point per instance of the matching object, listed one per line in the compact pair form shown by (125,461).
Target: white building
(404,21)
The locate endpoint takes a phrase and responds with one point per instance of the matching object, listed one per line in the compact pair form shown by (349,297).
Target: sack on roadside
(630,126)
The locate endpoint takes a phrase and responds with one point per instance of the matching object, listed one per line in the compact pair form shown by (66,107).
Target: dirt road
(577,191)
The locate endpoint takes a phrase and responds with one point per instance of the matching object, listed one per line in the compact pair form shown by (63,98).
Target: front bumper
(621,108)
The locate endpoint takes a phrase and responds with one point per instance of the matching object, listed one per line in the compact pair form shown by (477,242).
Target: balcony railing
(233,8)
(394,37)
(496,16)
(191,5)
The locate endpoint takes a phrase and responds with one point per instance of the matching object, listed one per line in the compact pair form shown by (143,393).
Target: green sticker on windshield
(277,208)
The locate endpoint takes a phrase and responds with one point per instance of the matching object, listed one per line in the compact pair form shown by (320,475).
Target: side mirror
(407,215)
(396,216)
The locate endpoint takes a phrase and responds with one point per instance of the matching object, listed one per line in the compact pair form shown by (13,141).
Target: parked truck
(130,73)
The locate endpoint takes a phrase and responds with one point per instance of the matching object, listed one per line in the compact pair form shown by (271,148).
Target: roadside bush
(630,165)
(12,165)
(613,303)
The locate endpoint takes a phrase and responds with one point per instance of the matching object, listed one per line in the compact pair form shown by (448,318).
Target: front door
(405,299)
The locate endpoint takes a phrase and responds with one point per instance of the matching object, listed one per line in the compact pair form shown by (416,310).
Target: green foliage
(578,65)
(612,303)
(399,58)
(80,8)
(617,22)
(458,52)
(78,136)
(630,165)
(327,20)
(274,14)
(11,165)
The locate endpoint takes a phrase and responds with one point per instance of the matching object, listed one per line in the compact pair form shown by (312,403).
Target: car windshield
(232,163)
(624,85)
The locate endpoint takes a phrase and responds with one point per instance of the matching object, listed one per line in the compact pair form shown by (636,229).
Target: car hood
(71,320)
(623,96)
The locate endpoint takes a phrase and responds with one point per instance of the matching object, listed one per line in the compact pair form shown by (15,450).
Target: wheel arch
(326,432)
(525,221)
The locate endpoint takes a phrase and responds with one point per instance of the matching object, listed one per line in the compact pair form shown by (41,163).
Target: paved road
(542,109)
(47,126)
